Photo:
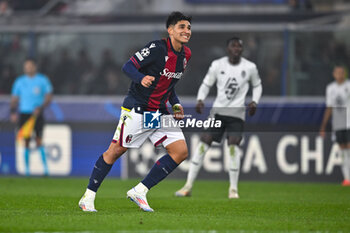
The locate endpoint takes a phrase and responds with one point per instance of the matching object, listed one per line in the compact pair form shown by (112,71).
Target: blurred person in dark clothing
(65,78)
(85,73)
(300,5)
(108,75)
(7,77)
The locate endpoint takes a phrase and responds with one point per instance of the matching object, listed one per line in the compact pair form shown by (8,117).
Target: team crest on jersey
(185,63)
(145,52)
(128,138)
(243,74)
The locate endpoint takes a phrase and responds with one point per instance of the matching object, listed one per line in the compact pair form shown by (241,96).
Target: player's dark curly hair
(235,38)
(175,17)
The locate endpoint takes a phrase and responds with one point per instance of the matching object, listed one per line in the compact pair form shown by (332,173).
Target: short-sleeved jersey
(338,98)
(159,59)
(31,91)
(232,82)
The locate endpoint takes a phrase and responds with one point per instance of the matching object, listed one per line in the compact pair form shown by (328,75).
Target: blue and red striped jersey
(159,59)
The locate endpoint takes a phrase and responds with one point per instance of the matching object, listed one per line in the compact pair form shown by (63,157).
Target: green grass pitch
(51,205)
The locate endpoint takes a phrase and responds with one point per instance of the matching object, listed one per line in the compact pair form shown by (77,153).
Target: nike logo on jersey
(166,58)
(153,45)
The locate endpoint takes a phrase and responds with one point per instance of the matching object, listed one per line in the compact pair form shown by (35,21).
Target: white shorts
(132,134)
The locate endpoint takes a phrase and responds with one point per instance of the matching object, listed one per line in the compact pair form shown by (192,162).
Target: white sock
(90,194)
(196,164)
(141,188)
(234,165)
(345,166)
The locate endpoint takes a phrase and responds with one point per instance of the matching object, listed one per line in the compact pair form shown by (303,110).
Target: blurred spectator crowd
(310,59)
(290,63)
(71,74)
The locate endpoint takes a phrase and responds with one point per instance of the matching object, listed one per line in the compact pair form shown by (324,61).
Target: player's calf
(178,151)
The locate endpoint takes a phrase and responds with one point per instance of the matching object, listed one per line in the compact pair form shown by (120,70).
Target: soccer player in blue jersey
(31,93)
(154,71)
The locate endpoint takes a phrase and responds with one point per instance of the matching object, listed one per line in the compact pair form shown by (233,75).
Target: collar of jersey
(171,46)
(32,77)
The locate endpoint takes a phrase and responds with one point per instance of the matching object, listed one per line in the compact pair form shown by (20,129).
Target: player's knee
(114,152)
(120,150)
(234,140)
(207,139)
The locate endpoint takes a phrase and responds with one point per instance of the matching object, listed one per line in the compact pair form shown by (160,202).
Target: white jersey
(338,98)
(232,82)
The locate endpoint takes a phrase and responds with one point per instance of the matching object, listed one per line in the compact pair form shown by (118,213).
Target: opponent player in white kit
(232,75)
(338,105)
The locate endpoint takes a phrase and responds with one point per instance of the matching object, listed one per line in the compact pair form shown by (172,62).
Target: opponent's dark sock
(161,169)
(98,174)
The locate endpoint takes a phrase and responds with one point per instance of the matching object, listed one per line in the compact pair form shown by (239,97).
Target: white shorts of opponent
(132,133)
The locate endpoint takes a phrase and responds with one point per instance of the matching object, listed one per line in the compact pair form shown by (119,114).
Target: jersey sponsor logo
(168,74)
(153,45)
(139,56)
(145,52)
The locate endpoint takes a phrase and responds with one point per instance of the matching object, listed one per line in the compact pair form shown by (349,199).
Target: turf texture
(51,205)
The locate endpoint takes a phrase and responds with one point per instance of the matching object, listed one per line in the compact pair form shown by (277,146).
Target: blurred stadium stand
(82,44)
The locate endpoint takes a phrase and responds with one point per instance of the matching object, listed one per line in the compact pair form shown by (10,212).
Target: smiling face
(180,33)
(234,50)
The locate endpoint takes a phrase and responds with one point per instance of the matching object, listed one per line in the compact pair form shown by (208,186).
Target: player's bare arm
(326,116)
